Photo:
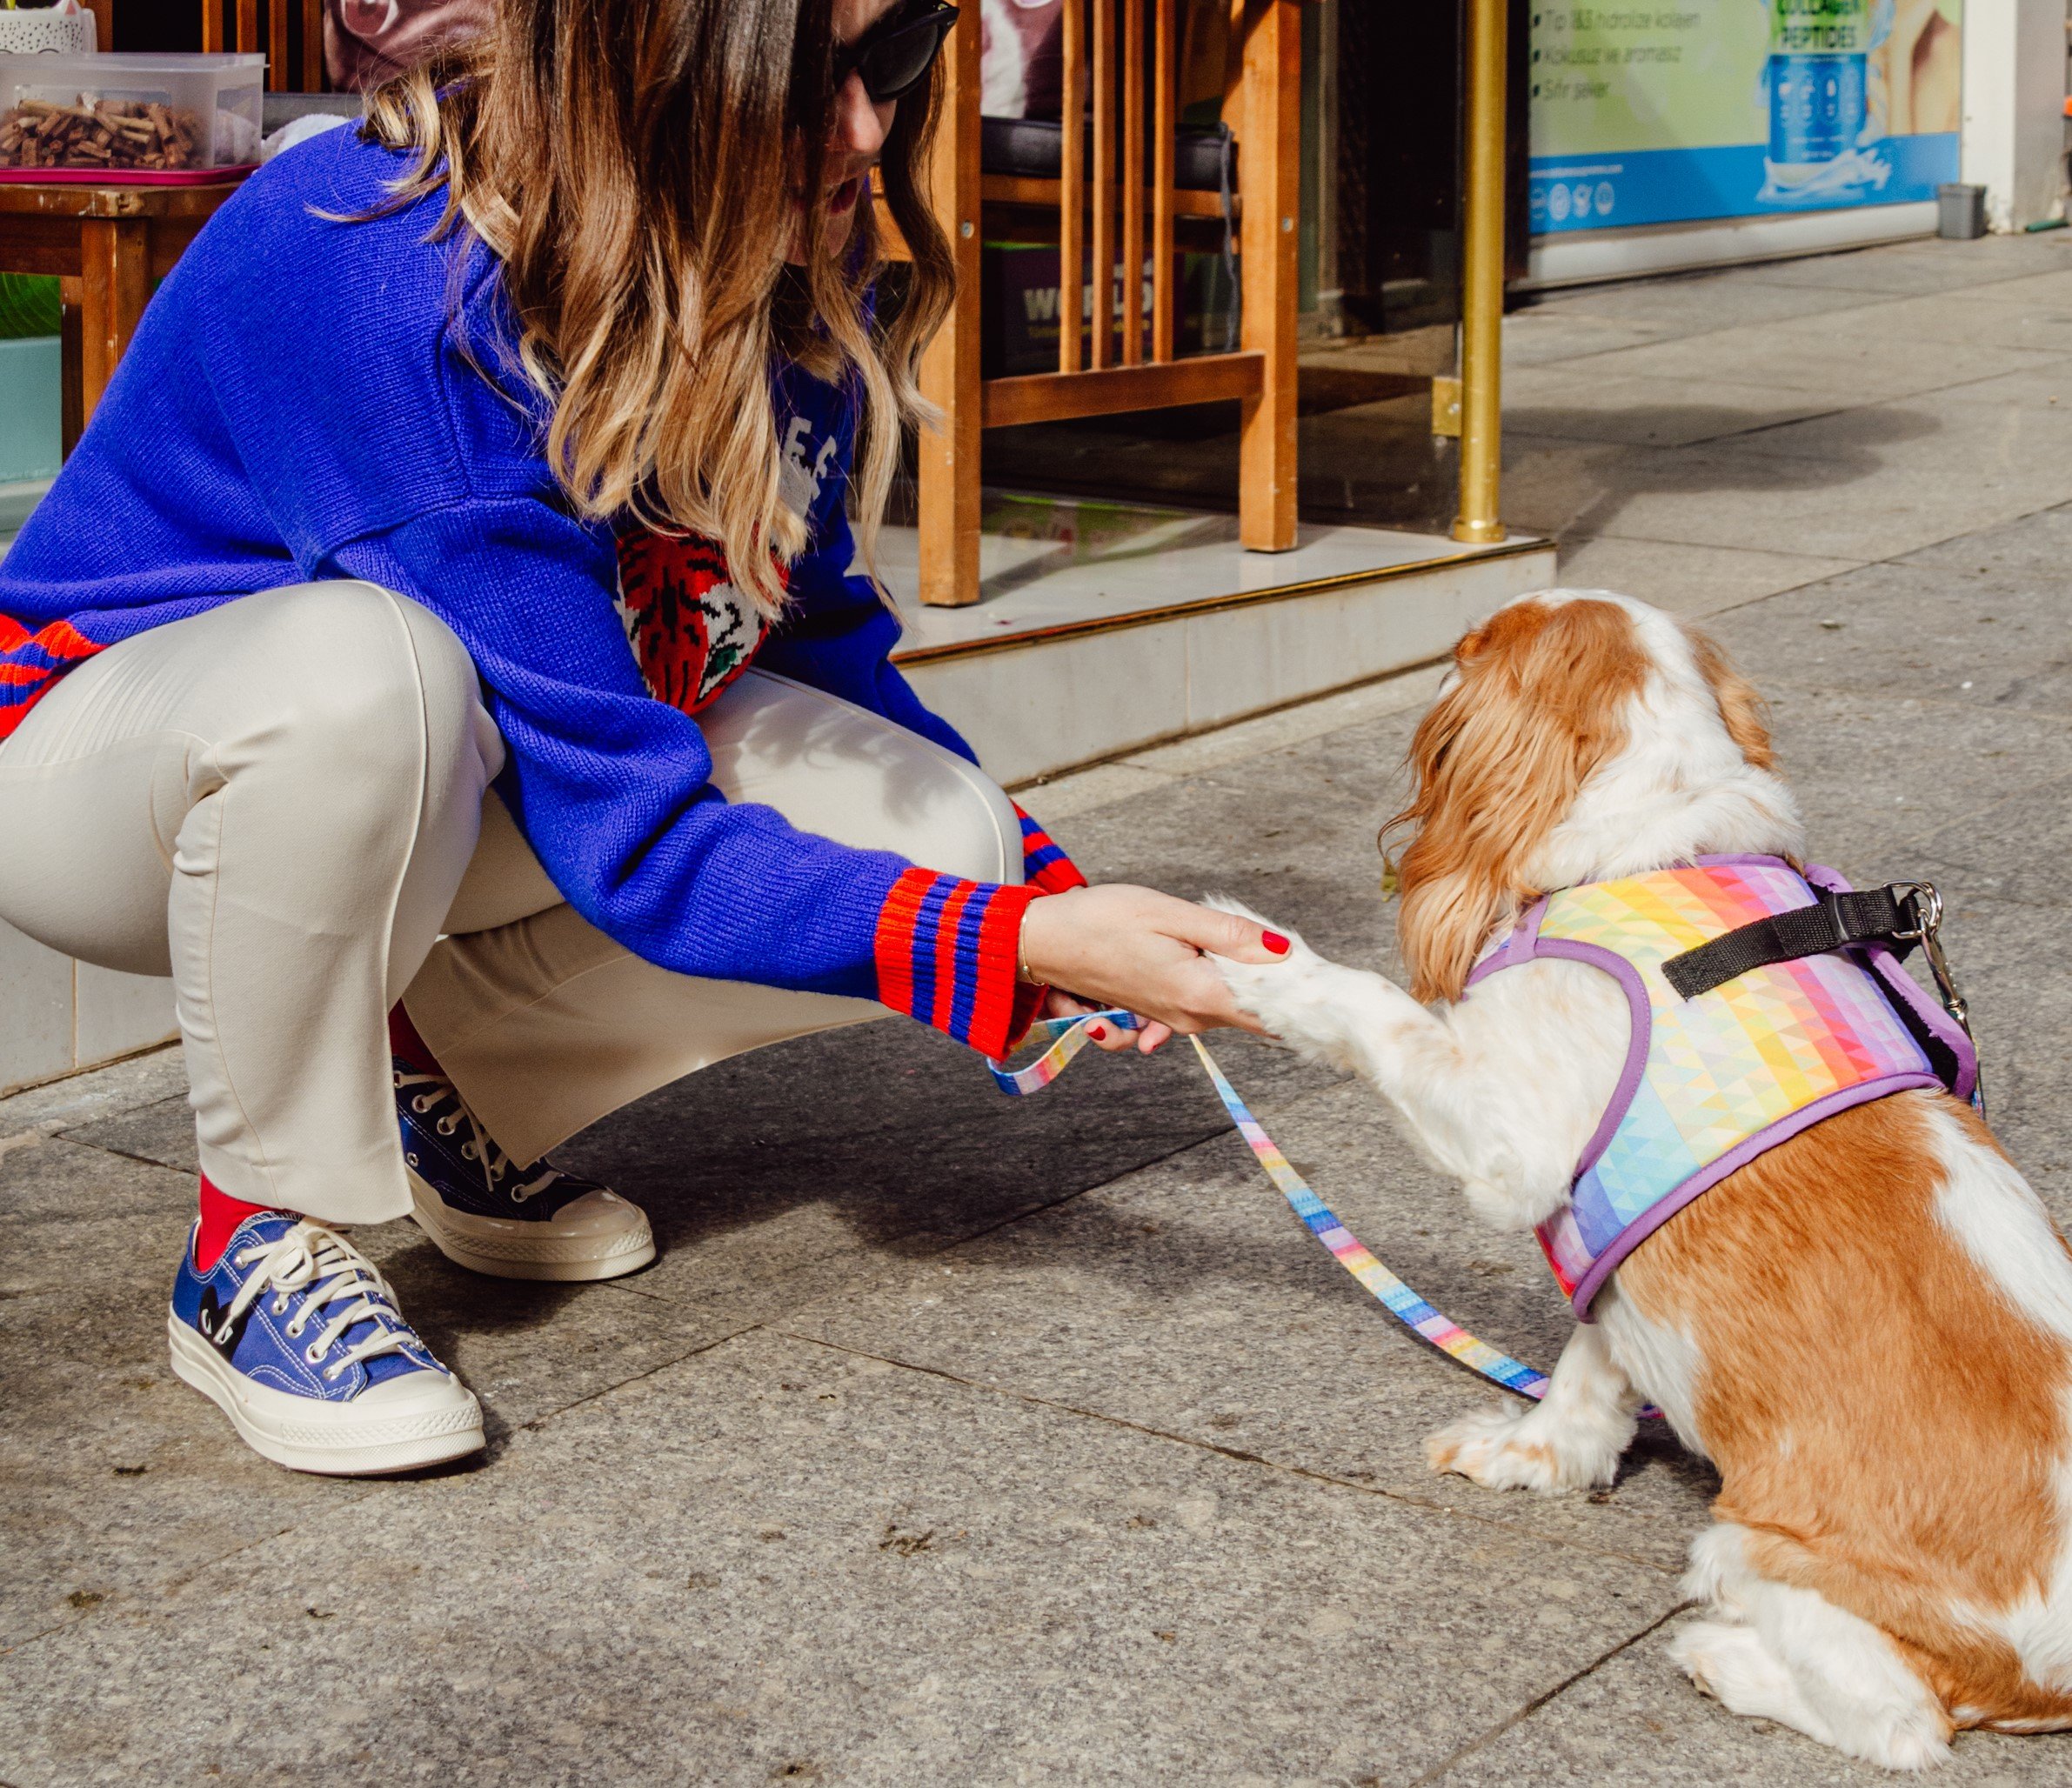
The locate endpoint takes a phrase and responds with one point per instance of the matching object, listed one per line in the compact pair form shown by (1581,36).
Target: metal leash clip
(1924,906)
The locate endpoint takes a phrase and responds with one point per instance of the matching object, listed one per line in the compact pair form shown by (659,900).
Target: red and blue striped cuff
(946,955)
(31,663)
(1043,863)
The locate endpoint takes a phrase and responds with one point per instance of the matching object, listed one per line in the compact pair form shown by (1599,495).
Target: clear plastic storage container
(145,118)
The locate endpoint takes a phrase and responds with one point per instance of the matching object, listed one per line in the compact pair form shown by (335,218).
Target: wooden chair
(308,75)
(1117,370)
(108,244)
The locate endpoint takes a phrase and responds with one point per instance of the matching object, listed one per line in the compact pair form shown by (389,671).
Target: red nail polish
(1097,1031)
(1274,942)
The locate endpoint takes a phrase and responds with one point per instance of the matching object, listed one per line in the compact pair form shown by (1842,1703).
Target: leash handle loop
(1067,1038)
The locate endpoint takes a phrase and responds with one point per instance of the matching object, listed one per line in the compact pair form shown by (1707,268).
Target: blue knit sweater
(305,399)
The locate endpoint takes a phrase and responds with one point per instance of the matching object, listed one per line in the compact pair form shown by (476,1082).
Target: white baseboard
(1582,257)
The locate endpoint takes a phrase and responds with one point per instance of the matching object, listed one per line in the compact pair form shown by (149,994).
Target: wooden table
(106,244)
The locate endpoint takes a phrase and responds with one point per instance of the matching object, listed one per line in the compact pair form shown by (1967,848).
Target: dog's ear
(1746,713)
(1537,702)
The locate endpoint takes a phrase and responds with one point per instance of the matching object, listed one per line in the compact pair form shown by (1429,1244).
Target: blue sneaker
(486,1212)
(298,1341)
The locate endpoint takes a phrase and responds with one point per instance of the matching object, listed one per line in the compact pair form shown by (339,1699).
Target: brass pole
(1483,277)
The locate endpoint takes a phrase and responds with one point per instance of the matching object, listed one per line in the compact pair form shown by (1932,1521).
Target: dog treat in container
(152,118)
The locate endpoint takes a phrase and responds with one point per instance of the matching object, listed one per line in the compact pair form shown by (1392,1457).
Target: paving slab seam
(80,1142)
(121,1061)
(1854,565)
(2048,715)
(1553,1694)
(1860,298)
(1236,1454)
(1757,427)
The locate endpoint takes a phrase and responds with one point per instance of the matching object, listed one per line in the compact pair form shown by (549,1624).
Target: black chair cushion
(1035,148)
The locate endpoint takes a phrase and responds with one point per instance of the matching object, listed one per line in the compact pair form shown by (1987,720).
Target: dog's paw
(1289,997)
(1902,1729)
(1504,1448)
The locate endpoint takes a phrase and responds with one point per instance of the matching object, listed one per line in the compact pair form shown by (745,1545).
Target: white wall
(57,1015)
(2014,107)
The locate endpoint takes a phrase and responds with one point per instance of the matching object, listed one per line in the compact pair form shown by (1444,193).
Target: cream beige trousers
(284,804)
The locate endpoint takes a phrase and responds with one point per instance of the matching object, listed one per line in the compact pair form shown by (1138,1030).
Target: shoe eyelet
(312,1353)
(422,1103)
(448,1125)
(330,1374)
(467,1151)
(280,1304)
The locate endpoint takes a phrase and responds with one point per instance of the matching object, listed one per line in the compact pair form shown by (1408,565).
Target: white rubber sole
(610,1239)
(413,1426)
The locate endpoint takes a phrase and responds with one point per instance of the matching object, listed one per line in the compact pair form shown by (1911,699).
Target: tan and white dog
(1868,1329)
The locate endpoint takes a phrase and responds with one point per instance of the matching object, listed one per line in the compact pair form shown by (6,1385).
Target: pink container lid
(128,176)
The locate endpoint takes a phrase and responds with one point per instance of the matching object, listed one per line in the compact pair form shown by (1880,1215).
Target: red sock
(221,1214)
(404,1041)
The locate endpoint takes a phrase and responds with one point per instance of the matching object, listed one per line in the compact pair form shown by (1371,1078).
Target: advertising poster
(1678,110)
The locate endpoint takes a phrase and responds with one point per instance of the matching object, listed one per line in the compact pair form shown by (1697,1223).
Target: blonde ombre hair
(636,167)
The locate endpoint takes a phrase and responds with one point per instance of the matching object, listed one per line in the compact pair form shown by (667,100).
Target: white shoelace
(495,1162)
(327,1271)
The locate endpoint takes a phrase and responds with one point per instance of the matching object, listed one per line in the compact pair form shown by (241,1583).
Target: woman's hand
(1116,945)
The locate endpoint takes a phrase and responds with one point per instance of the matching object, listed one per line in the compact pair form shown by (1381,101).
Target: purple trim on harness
(1900,986)
(1639,1041)
(1738,1156)
(1515,949)
(1525,944)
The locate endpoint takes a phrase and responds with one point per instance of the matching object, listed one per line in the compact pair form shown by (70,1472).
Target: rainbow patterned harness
(1712,1082)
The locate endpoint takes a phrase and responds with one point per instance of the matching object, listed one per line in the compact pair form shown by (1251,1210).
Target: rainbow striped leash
(1067,1037)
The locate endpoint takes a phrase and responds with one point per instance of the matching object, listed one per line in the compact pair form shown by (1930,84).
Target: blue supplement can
(1819,99)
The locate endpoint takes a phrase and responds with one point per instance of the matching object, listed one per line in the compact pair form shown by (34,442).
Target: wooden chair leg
(71,351)
(115,267)
(950,454)
(1269,182)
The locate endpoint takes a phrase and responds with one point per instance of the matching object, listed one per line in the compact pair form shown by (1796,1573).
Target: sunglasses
(896,53)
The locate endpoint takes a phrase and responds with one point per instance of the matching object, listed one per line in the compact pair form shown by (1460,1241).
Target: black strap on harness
(1893,915)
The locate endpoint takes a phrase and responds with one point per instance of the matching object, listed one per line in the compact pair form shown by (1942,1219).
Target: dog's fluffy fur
(1868,1329)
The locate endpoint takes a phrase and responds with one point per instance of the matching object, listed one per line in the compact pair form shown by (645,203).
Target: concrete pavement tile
(1541,336)
(114,1476)
(1688,303)
(1876,771)
(885,1139)
(1925,266)
(1691,581)
(2014,850)
(1839,355)
(1863,502)
(2021,563)
(2050,287)
(2034,388)
(1056,801)
(1922,630)
(123,1086)
(1654,411)
(162,1131)
(2039,321)
(61,1204)
(828,1570)
(1636,1722)
(1188,1298)
(1999,447)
